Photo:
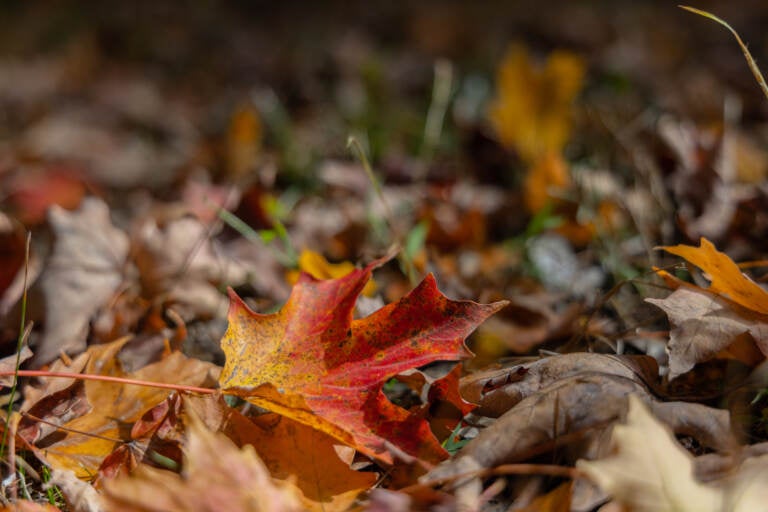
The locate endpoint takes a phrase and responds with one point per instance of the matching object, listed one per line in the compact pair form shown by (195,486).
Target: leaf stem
(107,378)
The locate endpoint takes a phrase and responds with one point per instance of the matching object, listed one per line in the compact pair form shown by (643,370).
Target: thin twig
(107,378)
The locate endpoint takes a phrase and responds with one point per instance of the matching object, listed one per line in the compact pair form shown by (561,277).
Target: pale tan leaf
(649,470)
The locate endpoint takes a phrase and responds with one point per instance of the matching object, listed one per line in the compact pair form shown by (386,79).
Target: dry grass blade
(751,61)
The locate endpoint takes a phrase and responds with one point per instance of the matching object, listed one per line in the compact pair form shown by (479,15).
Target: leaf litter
(225,241)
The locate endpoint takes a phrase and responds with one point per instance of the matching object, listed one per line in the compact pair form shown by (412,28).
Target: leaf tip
(236,304)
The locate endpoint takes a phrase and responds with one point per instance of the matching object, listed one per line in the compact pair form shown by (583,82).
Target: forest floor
(440,256)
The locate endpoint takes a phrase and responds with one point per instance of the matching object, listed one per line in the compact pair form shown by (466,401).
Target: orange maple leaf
(312,362)
(726,278)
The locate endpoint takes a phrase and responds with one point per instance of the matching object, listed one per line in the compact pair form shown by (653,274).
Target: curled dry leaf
(83,272)
(216,475)
(497,391)
(564,404)
(704,324)
(313,363)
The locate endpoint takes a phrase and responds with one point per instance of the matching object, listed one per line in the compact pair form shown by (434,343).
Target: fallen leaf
(317,266)
(565,404)
(83,272)
(313,363)
(80,495)
(291,451)
(190,272)
(544,179)
(243,142)
(29,506)
(496,391)
(34,190)
(93,414)
(532,110)
(704,324)
(216,476)
(9,363)
(650,471)
(725,276)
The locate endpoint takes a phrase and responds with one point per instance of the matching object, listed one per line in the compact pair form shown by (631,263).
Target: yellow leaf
(547,174)
(532,110)
(724,274)
(318,267)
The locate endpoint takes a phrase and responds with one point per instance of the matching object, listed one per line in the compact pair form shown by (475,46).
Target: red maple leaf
(312,362)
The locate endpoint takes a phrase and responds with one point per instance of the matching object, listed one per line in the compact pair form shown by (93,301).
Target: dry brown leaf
(574,410)
(216,476)
(181,261)
(29,506)
(704,324)
(83,273)
(497,391)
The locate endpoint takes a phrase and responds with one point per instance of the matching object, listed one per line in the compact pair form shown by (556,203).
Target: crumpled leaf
(216,476)
(313,363)
(704,324)
(496,391)
(650,470)
(725,275)
(570,395)
(94,414)
(82,274)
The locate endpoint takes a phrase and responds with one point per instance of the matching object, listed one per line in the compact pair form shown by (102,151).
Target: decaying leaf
(84,271)
(313,363)
(216,476)
(704,324)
